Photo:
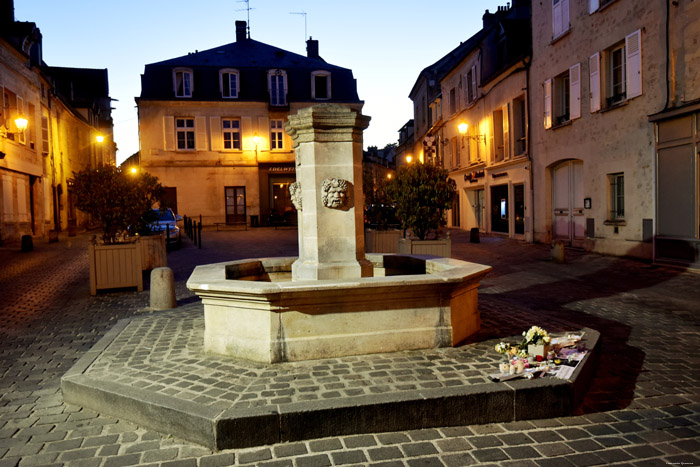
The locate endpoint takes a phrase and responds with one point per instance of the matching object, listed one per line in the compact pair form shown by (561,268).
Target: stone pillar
(328,192)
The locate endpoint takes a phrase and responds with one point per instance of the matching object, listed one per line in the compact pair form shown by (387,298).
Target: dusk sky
(385,43)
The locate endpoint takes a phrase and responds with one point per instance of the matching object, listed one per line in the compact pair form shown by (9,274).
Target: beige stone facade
(596,74)
(36,166)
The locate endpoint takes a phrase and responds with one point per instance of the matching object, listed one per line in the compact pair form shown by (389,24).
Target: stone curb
(296,421)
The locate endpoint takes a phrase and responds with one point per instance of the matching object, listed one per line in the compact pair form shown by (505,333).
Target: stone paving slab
(152,371)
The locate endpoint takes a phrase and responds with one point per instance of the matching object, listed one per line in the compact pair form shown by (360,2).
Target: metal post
(199,238)
(194,231)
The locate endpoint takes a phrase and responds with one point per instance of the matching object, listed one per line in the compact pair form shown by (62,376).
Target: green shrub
(115,199)
(422,193)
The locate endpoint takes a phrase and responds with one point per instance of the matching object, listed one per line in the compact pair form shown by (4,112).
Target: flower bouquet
(536,340)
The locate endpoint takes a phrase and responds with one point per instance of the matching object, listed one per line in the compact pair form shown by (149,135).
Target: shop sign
(473,176)
(281,169)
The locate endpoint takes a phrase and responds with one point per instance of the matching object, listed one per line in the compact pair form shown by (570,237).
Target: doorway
(499,208)
(568,221)
(235,205)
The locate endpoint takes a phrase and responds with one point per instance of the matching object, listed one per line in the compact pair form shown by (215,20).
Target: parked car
(167,222)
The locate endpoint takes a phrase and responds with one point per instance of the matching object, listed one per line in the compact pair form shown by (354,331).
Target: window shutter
(473,82)
(564,15)
(556,18)
(200,128)
(506,132)
(592,6)
(215,133)
(548,103)
(575,91)
(247,134)
(263,130)
(633,50)
(44,135)
(169,133)
(594,85)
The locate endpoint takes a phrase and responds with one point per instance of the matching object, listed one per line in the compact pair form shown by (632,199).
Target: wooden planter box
(153,252)
(439,247)
(382,241)
(115,266)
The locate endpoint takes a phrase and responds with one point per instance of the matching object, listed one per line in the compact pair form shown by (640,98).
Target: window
(276,134)
(616,73)
(320,85)
(21,136)
(182,80)
(561,98)
(277,87)
(184,128)
(471,85)
(453,101)
(519,126)
(44,135)
(560,17)
(229,83)
(617,196)
(498,136)
(231,132)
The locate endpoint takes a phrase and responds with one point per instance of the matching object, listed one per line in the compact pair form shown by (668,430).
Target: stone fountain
(334,300)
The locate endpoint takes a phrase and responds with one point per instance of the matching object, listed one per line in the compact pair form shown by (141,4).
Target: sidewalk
(642,408)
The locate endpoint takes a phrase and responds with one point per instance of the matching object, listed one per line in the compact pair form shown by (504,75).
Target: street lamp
(99,138)
(463,127)
(409,158)
(21,123)
(256,140)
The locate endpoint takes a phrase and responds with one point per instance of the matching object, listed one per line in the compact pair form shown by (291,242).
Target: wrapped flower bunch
(535,336)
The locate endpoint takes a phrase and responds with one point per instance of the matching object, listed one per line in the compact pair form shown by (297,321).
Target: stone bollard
(162,289)
(474,235)
(558,252)
(27,243)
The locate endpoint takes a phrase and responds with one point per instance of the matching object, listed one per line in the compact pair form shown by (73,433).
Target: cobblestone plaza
(642,408)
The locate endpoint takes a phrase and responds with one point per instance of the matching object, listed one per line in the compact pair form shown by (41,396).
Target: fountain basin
(253,310)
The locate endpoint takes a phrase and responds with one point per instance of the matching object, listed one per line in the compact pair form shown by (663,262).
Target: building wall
(201,175)
(618,139)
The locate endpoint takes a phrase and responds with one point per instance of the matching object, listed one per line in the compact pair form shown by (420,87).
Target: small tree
(422,193)
(115,199)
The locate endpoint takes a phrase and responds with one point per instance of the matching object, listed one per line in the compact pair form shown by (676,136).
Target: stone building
(471,108)
(677,127)
(65,110)
(597,73)
(211,126)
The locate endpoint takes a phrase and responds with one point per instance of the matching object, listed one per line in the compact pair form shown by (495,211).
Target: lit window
(184,128)
(231,131)
(230,83)
(182,80)
(276,134)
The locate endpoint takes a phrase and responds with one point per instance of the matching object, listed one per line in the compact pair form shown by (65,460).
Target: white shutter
(633,51)
(556,18)
(264,133)
(169,133)
(592,6)
(200,128)
(564,15)
(575,91)
(594,84)
(247,134)
(548,103)
(215,133)
(506,132)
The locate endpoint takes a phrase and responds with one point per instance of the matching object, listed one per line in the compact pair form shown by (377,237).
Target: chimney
(312,48)
(241,31)
(7,12)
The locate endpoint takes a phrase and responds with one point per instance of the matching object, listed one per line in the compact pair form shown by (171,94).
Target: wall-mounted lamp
(409,158)
(463,127)
(388,176)
(256,140)
(21,125)
(100,138)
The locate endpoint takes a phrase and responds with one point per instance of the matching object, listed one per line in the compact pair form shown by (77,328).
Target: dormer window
(320,85)
(229,83)
(182,82)
(277,87)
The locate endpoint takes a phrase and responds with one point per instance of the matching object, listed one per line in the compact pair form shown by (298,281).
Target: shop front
(276,206)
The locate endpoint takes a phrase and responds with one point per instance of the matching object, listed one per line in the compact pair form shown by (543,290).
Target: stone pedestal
(328,193)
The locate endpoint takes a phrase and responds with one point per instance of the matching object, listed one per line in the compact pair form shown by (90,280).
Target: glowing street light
(99,138)
(21,123)
(409,158)
(463,127)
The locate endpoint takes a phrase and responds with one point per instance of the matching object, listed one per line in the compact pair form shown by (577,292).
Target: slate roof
(252,59)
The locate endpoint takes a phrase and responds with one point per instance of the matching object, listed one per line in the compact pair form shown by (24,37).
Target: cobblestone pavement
(642,409)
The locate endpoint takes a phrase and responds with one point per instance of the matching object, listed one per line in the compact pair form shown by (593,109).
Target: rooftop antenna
(247,8)
(301,13)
